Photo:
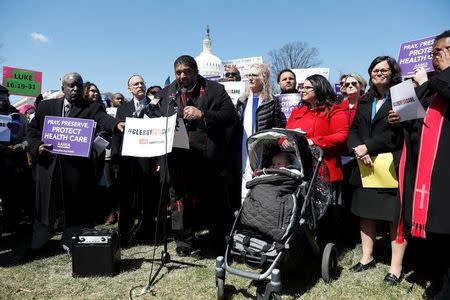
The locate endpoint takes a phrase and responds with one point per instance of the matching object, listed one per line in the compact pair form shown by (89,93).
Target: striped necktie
(67,109)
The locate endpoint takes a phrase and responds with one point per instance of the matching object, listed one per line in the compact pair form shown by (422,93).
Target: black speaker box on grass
(95,253)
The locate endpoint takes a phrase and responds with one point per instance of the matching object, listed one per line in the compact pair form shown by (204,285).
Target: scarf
(429,142)
(249,126)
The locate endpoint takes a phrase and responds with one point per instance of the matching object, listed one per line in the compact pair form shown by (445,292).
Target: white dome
(209,65)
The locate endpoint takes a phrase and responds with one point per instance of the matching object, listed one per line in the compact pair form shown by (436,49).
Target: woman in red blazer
(325,123)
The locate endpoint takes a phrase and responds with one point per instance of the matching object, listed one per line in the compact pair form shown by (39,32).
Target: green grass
(51,278)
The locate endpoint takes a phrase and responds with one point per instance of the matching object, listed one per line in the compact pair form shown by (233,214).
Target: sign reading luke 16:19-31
(22,82)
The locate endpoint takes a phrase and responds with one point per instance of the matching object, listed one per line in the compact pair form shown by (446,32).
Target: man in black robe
(64,184)
(197,176)
(437,228)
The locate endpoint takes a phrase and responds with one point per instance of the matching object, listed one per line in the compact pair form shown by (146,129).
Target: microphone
(173,102)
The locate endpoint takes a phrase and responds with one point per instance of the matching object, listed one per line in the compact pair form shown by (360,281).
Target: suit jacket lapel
(58,108)
(75,110)
(131,107)
(383,111)
(366,110)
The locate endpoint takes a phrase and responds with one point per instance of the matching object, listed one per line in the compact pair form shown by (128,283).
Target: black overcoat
(438,220)
(65,183)
(199,173)
(379,137)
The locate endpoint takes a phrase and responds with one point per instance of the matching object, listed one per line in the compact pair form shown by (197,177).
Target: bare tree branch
(294,55)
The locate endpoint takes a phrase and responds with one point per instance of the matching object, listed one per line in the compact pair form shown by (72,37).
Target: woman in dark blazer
(370,135)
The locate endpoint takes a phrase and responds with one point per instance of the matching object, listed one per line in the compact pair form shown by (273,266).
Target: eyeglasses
(136,84)
(383,71)
(153,92)
(354,83)
(437,50)
(307,87)
(231,74)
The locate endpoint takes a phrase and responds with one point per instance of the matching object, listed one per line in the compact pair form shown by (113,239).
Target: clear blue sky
(107,41)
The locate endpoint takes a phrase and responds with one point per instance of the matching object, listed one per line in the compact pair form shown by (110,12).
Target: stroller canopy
(263,145)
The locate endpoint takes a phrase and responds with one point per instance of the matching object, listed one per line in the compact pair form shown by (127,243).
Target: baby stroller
(281,203)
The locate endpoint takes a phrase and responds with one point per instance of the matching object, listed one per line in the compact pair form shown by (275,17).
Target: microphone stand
(165,255)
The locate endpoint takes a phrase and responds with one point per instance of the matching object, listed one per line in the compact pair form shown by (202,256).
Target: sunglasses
(153,92)
(231,74)
(354,83)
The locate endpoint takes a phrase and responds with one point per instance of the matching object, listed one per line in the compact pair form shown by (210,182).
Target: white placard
(181,139)
(112,111)
(148,137)
(405,101)
(242,64)
(301,74)
(234,89)
(5,132)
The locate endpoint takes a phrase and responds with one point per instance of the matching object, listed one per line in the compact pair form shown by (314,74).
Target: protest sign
(288,102)
(405,101)
(68,136)
(242,64)
(148,137)
(235,89)
(337,89)
(415,54)
(181,138)
(112,111)
(5,132)
(22,82)
(301,74)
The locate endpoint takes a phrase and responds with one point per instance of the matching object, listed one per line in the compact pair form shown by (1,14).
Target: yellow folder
(381,174)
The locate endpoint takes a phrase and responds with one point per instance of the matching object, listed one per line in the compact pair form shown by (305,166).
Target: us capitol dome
(209,65)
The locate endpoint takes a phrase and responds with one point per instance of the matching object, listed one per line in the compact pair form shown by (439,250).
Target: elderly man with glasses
(137,176)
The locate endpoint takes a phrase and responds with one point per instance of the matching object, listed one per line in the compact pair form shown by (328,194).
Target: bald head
(72,87)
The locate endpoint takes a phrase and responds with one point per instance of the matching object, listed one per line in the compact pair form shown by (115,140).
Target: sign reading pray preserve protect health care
(22,82)
(68,136)
(415,54)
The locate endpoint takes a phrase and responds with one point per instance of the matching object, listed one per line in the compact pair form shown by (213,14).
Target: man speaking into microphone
(196,176)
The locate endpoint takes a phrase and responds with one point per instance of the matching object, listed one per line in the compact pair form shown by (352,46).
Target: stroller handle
(280,172)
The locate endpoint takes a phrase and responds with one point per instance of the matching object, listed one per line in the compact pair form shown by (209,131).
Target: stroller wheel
(329,262)
(220,283)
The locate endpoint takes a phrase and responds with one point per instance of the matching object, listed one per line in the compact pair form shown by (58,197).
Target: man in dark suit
(64,184)
(138,179)
(196,177)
